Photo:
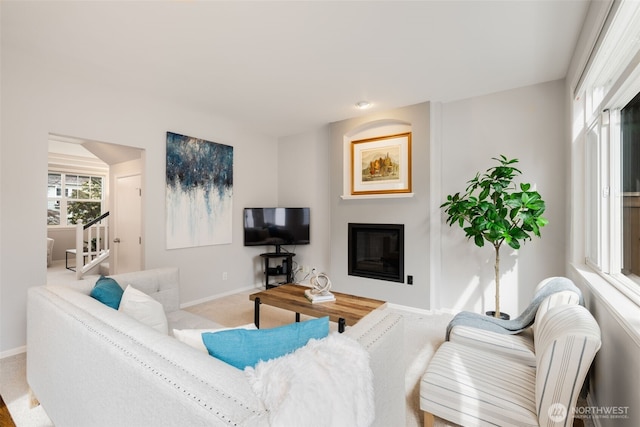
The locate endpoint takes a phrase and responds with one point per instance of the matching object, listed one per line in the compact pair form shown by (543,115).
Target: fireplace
(376,251)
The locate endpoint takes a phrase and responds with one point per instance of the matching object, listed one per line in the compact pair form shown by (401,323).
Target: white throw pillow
(144,309)
(193,337)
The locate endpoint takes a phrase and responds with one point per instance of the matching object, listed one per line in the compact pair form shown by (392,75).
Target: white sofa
(91,365)
(482,378)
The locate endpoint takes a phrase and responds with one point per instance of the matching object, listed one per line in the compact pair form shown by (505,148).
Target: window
(612,194)
(630,175)
(606,115)
(73,197)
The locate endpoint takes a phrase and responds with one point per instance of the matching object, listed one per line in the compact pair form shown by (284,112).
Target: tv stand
(277,270)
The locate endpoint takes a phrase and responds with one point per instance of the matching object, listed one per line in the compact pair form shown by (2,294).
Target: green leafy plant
(494,209)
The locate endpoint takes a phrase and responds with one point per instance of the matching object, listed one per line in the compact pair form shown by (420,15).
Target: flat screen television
(276,226)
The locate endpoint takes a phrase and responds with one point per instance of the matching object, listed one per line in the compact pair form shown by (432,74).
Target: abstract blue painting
(199,192)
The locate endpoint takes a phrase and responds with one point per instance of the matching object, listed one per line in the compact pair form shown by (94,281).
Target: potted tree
(495,210)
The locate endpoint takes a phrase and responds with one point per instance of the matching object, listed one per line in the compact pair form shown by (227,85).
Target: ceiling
(282,68)
(69,150)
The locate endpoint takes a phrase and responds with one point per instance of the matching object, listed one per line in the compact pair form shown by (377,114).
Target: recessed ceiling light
(362,105)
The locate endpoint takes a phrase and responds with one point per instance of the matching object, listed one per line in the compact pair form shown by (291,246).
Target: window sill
(623,305)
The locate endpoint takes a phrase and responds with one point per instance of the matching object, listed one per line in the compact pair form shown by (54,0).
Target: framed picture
(381,165)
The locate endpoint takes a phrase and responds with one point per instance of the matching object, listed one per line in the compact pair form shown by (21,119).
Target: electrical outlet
(225,275)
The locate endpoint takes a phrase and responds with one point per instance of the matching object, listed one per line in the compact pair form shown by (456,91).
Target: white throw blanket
(328,382)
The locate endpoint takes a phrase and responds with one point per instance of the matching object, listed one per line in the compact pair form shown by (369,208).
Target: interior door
(127,242)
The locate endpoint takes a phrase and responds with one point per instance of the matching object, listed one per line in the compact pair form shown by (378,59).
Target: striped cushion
(567,339)
(474,388)
(518,347)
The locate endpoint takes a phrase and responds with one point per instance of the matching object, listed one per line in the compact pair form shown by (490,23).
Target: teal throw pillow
(108,292)
(242,347)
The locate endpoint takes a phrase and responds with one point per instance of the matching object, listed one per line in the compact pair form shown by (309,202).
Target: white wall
(38,100)
(64,238)
(303,181)
(528,124)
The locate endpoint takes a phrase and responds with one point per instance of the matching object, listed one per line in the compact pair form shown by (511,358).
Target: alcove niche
(372,129)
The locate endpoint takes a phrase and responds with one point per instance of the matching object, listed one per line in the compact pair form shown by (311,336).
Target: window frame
(608,217)
(610,84)
(64,200)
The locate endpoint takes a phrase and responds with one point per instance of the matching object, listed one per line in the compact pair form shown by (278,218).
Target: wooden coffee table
(346,309)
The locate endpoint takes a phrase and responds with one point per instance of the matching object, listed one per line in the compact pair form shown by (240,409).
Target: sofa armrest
(382,333)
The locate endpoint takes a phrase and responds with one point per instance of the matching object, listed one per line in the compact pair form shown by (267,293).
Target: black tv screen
(276,226)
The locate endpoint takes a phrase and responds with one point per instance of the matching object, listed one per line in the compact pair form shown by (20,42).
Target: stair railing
(95,234)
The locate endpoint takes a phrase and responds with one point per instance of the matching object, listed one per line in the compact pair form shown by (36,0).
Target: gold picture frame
(381,165)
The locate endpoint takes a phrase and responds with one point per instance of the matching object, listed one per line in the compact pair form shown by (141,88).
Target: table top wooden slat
(291,297)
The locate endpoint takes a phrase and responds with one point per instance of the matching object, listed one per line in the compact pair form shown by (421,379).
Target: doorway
(122,166)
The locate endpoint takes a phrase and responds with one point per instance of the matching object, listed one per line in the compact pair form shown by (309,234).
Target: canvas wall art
(199,192)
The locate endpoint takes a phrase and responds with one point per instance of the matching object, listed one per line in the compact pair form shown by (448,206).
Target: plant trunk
(497,272)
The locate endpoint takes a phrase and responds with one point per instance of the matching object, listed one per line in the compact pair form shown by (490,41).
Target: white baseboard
(13,352)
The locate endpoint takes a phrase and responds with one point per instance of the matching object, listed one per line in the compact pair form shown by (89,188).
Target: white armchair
(49,251)
(473,387)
